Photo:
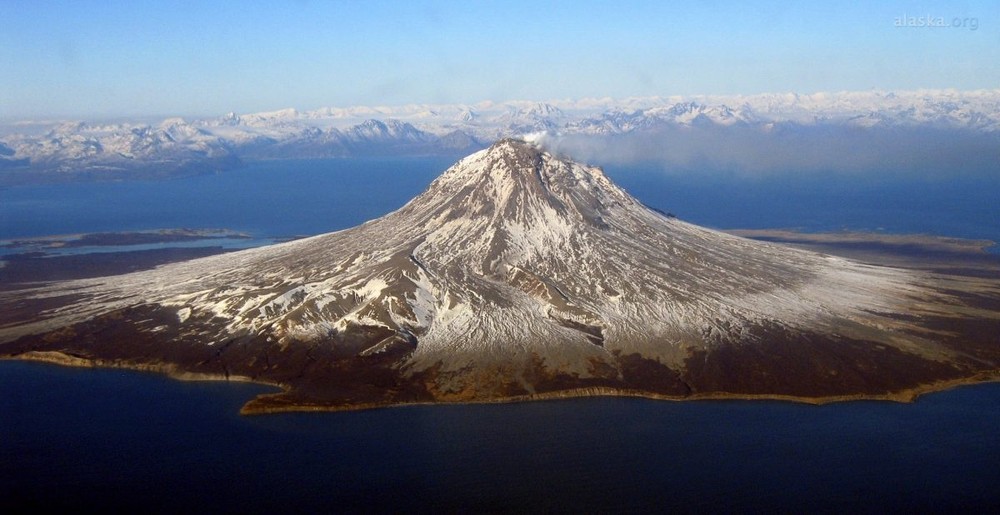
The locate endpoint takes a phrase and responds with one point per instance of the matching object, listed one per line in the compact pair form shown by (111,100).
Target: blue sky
(103,59)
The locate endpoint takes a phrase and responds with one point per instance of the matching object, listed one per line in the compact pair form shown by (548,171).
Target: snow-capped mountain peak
(518,271)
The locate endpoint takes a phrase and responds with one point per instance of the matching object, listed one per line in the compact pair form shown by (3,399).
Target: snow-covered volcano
(518,272)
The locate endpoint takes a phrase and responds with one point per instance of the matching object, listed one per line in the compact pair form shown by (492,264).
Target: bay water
(127,441)
(279,199)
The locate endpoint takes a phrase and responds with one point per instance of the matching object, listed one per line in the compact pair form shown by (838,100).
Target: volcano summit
(519,274)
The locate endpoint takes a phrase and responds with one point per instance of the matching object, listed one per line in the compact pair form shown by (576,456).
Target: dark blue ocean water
(965,207)
(275,199)
(121,440)
(268,199)
(128,441)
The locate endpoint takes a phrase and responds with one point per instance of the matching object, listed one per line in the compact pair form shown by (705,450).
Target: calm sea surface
(131,441)
(276,199)
(122,440)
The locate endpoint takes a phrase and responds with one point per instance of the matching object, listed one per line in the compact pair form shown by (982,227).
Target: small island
(522,275)
(78,256)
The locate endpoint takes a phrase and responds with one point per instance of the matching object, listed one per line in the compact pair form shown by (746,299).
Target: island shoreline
(905,396)
(890,252)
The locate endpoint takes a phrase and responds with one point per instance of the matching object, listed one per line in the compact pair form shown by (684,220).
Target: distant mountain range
(173,146)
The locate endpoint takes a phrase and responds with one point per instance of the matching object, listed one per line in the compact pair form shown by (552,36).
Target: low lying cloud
(790,148)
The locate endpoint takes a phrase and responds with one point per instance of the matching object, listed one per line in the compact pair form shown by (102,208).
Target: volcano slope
(520,274)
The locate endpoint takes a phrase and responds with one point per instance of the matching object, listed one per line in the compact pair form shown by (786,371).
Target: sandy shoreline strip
(166,369)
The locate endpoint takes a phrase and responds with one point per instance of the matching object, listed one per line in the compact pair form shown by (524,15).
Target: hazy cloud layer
(793,148)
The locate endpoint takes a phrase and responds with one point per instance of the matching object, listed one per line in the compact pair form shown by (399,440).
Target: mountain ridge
(67,149)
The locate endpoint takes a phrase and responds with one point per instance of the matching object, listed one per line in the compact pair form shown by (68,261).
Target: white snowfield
(424,128)
(513,251)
